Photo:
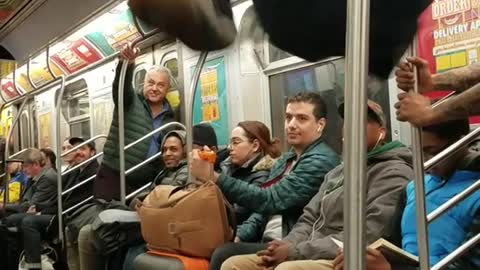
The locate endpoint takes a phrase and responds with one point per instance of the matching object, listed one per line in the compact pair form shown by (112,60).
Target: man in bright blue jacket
(442,182)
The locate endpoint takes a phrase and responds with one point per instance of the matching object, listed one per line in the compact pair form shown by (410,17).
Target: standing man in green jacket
(145,111)
(293,181)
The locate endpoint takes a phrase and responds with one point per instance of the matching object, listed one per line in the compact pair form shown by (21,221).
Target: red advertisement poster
(8,90)
(449,37)
(80,54)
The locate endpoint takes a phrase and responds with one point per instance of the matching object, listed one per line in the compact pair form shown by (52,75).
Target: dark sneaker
(203,25)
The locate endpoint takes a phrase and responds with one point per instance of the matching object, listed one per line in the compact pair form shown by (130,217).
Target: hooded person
(309,244)
(174,158)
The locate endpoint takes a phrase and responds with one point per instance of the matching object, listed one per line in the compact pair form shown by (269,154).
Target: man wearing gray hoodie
(309,245)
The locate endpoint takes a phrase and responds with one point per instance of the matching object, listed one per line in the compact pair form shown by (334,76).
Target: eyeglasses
(236,142)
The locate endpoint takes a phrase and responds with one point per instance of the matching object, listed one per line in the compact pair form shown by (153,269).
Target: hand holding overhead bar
(419,181)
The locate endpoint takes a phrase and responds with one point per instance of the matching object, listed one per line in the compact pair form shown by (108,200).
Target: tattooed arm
(459,79)
(417,110)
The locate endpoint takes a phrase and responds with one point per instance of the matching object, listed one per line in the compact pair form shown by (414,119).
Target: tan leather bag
(190,222)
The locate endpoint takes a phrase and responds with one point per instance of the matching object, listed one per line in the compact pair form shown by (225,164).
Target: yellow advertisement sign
(45,121)
(6,121)
(209,95)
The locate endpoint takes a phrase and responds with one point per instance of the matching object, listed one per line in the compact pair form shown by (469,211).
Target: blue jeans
(132,254)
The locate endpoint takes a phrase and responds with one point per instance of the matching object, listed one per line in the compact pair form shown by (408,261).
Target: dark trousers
(228,250)
(34,227)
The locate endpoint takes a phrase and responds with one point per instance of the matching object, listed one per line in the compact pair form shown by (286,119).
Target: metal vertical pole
(58,149)
(355,148)
(190,101)
(121,128)
(7,150)
(421,212)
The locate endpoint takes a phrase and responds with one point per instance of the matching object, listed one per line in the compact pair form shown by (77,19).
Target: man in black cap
(80,174)
(204,135)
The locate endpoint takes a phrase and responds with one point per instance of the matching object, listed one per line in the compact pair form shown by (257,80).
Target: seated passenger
(34,227)
(40,193)
(293,181)
(310,241)
(175,173)
(252,154)
(442,182)
(18,181)
(204,135)
(85,171)
(67,159)
(50,158)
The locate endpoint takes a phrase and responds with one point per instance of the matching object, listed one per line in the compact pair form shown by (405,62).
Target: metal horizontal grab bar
(84,143)
(136,192)
(141,164)
(79,185)
(453,201)
(77,205)
(452,149)
(442,100)
(81,164)
(457,253)
(168,125)
(18,153)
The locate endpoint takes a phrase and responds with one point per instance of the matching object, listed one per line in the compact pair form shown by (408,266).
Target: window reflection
(328,80)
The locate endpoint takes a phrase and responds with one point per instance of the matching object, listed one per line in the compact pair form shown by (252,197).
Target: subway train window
(328,80)
(276,54)
(76,109)
(139,77)
(172,64)
(24,130)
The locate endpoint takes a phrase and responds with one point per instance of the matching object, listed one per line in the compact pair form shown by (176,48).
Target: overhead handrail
(453,201)
(452,149)
(121,117)
(419,183)
(29,77)
(70,77)
(49,67)
(457,253)
(355,148)
(100,136)
(14,81)
(7,150)
(150,134)
(58,149)
(191,98)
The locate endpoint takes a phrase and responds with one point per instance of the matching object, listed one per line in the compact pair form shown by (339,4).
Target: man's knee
(293,265)
(84,234)
(241,262)
(29,222)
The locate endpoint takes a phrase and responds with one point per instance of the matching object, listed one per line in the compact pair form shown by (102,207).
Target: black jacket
(82,192)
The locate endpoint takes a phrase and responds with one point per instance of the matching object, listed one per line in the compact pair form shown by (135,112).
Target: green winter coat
(289,195)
